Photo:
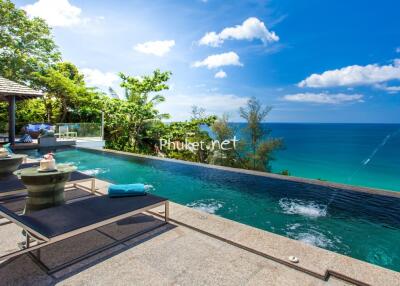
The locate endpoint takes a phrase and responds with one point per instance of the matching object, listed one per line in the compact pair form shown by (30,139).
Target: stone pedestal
(45,189)
(9,164)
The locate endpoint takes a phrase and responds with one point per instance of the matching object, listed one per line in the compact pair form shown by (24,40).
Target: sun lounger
(16,203)
(11,185)
(51,225)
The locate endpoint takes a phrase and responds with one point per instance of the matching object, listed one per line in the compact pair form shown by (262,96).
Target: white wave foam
(372,155)
(208,206)
(94,172)
(149,187)
(308,209)
(314,238)
(293,226)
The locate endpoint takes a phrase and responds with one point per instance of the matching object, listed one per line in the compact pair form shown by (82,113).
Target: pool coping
(340,186)
(317,262)
(314,261)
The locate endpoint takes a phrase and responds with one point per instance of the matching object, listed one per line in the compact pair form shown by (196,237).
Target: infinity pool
(359,225)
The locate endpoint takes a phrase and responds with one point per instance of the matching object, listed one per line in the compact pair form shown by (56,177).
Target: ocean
(357,154)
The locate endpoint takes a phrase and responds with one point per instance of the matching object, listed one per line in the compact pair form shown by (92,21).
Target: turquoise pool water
(359,225)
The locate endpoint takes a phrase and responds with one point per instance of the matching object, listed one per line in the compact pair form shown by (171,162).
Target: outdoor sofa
(55,224)
(34,129)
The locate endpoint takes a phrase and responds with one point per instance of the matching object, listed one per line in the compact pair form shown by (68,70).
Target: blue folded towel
(8,148)
(126,190)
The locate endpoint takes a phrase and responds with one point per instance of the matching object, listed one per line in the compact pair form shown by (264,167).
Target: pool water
(359,225)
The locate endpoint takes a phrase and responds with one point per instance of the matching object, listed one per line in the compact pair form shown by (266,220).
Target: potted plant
(46,138)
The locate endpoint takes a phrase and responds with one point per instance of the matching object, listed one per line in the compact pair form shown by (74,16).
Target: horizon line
(305,122)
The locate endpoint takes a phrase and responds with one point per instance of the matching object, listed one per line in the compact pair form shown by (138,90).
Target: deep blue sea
(358,154)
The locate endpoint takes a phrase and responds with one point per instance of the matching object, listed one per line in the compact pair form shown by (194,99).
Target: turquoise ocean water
(357,154)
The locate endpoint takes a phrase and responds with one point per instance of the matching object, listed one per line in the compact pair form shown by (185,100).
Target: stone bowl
(10,164)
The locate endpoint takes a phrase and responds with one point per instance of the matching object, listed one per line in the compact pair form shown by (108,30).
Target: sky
(312,61)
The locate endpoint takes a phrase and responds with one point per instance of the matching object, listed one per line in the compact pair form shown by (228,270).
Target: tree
(27,45)
(261,146)
(30,111)
(255,148)
(223,132)
(133,119)
(198,112)
(138,89)
(192,132)
(66,93)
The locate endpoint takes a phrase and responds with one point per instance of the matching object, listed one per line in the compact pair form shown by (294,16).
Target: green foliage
(3,117)
(260,149)
(27,45)
(285,173)
(189,131)
(230,157)
(138,89)
(129,123)
(30,111)
(46,133)
(253,151)
(67,96)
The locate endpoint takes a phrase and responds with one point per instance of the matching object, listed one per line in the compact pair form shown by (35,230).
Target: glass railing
(79,130)
(3,131)
(92,131)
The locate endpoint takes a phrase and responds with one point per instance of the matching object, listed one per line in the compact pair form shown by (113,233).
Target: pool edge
(346,187)
(315,261)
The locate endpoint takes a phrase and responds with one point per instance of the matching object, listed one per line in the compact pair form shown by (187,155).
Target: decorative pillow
(26,138)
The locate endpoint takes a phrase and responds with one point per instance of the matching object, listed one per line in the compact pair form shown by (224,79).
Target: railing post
(102,125)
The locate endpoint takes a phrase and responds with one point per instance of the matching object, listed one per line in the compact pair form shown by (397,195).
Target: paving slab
(313,260)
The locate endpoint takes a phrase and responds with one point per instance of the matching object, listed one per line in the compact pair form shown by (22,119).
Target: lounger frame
(75,184)
(42,241)
(92,183)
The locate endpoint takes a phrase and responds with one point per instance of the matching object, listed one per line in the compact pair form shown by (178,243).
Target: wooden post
(11,119)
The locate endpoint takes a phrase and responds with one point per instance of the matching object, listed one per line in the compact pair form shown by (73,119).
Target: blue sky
(313,61)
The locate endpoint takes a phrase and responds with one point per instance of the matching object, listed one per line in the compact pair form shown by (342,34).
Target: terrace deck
(194,249)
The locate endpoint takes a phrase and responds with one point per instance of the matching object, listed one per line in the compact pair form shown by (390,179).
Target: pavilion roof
(11,88)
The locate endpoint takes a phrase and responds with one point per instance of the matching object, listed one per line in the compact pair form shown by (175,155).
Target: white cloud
(179,106)
(250,29)
(211,39)
(57,13)
(219,60)
(398,50)
(392,89)
(389,89)
(95,77)
(158,48)
(354,75)
(220,74)
(323,98)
